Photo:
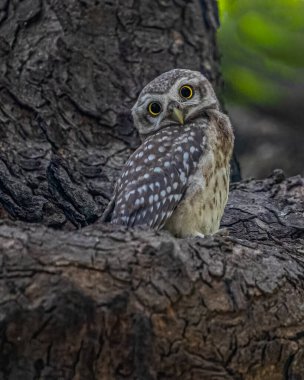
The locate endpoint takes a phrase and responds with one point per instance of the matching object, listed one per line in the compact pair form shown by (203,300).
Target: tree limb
(107,303)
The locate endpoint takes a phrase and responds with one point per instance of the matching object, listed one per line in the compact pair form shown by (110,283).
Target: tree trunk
(105,302)
(70,72)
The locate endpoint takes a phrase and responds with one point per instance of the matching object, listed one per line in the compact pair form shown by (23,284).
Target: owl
(178,178)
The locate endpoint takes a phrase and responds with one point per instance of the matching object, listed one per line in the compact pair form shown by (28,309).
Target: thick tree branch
(103,302)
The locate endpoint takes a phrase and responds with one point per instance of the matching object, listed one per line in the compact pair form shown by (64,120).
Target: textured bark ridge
(103,302)
(110,304)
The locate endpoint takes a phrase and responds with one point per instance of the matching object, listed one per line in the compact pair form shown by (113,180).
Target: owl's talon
(223,231)
(200,235)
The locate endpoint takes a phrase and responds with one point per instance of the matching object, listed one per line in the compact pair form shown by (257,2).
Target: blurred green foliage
(262,46)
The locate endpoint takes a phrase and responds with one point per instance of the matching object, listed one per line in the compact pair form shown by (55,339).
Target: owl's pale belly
(202,208)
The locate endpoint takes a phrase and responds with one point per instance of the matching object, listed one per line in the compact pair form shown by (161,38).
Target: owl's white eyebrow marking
(147,98)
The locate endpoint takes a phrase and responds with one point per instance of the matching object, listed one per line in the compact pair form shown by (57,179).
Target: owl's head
(176,97)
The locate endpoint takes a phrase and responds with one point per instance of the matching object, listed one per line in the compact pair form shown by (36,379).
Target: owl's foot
(198,234)
(223,231)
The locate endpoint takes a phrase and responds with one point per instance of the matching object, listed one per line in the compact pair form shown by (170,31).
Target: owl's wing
(151,199)
(155,178)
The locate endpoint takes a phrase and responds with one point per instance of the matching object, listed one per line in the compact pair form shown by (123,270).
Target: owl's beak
(178,115)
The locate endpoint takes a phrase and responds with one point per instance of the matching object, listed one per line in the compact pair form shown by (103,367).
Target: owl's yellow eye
(186,92)
(154,109)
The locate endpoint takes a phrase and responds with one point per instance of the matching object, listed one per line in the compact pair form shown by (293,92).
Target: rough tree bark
(103,302)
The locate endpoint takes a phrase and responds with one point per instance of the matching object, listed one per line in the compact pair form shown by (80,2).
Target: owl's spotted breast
(202,207)
(201,210)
